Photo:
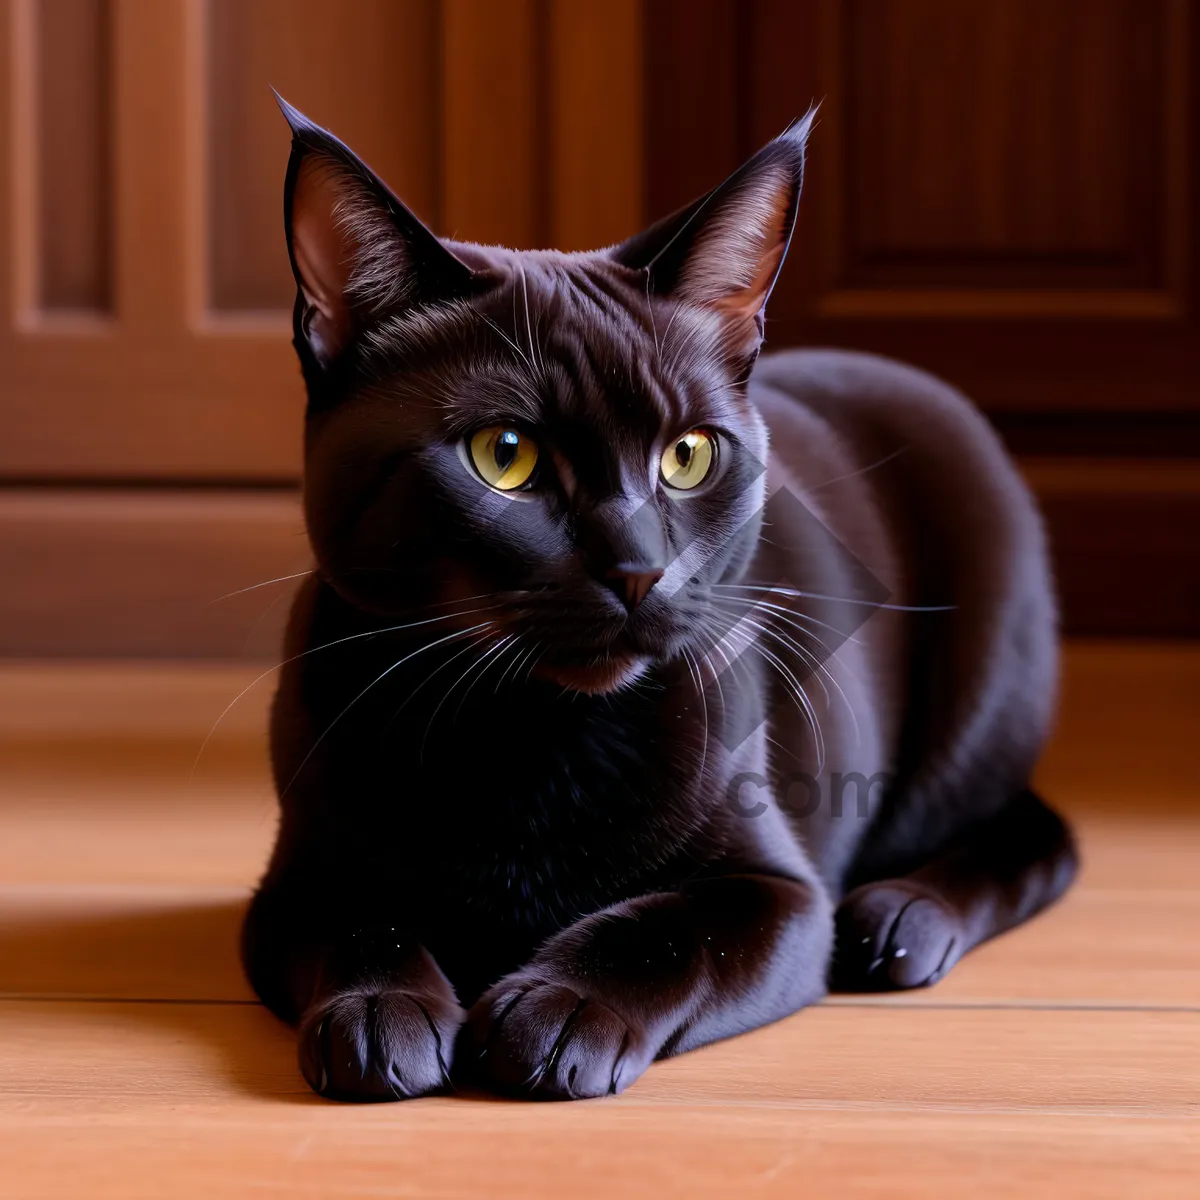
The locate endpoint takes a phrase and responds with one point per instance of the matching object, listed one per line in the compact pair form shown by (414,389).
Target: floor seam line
(881,1006)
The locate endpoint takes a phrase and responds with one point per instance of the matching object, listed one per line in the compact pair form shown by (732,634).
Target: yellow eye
(505,457)
(688,460)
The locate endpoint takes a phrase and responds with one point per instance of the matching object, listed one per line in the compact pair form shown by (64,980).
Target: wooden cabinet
(1001,190)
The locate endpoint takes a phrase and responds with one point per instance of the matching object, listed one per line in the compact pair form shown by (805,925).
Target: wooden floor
(1061,1060)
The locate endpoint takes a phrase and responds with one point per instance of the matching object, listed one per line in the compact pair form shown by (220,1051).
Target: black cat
(635,697)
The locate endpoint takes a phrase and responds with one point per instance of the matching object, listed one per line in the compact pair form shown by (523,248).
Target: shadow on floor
(172,969)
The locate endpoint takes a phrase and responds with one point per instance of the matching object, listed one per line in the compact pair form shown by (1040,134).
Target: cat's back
(854,430)
(870,412)
(866,399)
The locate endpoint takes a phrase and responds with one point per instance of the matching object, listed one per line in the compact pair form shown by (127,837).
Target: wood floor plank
(1114,1062)
(205,1100)
(135,832)
(595,1152)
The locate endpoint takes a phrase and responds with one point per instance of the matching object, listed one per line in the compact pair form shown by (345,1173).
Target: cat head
(558,448)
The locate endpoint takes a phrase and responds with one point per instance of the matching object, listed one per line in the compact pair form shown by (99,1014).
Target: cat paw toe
(378,1044)
(892,935)
(547,1040)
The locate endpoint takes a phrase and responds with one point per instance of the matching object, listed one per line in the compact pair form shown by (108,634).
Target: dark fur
(531,869)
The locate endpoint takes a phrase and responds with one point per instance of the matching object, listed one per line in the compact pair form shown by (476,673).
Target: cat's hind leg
(909,931)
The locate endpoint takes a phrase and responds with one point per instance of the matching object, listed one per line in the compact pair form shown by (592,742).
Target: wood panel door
(1003,192)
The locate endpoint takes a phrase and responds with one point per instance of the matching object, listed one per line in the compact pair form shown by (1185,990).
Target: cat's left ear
(723,252)
(357,251)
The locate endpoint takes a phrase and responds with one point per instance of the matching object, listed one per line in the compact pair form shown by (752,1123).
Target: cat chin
(597,678)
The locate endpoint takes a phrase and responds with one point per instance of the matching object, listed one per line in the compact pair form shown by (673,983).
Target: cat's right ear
(357,252)
(724,251)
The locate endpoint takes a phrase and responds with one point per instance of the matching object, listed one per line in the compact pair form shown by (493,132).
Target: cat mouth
(606,671)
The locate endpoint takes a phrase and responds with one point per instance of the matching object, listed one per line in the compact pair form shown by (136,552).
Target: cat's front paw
(545,1038)
(379,1043)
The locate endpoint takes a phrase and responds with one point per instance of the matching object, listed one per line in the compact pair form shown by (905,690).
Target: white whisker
(450,690)
(437,671)
(810,660)
(912,608)
(793,685)
(887,458)
(694,671)
(263,584)
(262,616)
(528,324)
(650,314)
(488,659)
(790,644)
(378,679)
(313,650)
(755,602)
(521,353)
(534,663)
(514,667)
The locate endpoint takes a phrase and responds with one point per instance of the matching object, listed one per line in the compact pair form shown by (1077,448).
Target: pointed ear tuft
(357,252)
(292,115)
(724,251)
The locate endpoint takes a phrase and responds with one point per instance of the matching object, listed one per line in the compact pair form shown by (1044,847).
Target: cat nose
(632,582)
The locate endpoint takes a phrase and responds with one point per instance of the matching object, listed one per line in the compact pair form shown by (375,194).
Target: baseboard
(117,573)
(1125,535)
